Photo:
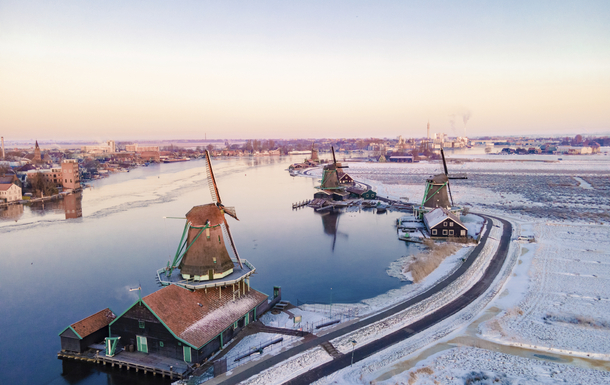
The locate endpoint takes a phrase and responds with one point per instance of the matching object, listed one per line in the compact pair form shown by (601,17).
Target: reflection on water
(11,213)
(330,222)
(70,205)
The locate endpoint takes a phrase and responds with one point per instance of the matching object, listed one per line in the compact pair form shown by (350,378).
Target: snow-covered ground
(459,365)
(557,298)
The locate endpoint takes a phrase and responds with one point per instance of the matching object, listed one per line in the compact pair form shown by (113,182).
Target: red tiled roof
(180,310)
(94,322)
(5,186)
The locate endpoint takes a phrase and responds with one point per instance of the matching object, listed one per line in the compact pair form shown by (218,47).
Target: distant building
(10,192)
(146,153)
(53,175)
(401,159)
(69,174)
(37,155)
(108,148)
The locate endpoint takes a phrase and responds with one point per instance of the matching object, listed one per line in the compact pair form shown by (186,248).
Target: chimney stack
(3,156)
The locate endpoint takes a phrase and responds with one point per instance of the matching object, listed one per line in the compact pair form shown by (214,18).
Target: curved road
(378,345)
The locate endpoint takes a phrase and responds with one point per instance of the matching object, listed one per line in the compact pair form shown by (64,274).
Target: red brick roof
(180,310)
(5,186)
(94,322)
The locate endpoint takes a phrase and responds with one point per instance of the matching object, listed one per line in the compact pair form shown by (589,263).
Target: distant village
(35,172)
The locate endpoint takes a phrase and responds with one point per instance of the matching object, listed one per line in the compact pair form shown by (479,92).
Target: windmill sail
(204,254)
(211,179)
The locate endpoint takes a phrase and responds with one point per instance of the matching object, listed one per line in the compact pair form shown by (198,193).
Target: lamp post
(331,303)
(353,347)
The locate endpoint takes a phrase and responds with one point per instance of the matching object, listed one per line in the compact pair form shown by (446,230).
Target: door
(142,344)
(211,274)
(187,353)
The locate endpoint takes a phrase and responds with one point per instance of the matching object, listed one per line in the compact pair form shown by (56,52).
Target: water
(55,271)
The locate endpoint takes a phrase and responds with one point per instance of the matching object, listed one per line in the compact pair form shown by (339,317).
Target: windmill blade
(211,179)
(449,189)
(233,244)
(230,211)
(334,159)
(444,163)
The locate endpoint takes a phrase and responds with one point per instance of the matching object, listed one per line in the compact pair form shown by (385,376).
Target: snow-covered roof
(438,215)
(197,317)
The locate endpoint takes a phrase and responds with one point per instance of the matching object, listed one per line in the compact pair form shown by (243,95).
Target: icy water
(55,271)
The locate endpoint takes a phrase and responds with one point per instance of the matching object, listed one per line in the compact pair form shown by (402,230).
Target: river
(56,269)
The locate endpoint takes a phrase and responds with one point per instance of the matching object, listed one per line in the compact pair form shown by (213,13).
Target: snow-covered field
(459,365)
(557,299)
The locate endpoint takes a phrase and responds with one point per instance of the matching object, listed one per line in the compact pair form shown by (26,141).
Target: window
(450,224)
(433,231)
(450,232)
(444,232)
(463,233)
(445,223)
(161,344)
(141,324)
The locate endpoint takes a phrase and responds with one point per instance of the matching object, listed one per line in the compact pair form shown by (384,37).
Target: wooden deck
(140,362)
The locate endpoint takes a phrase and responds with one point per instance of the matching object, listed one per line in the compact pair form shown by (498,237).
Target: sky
(301,69)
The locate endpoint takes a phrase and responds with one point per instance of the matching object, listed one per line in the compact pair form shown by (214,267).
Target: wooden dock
(139,362)
(298,205)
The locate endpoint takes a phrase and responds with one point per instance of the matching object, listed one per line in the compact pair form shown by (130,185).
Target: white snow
(290,368)
(456,366)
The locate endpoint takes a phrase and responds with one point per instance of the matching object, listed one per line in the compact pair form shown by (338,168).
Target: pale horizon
(153,71)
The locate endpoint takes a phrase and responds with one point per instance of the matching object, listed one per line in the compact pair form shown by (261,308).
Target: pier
(298,205)
(139,362)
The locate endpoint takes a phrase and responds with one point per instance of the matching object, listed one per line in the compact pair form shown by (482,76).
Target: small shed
(442,223)
(322,194)
(340,195)
(369,194)
(93,329)
(356,192)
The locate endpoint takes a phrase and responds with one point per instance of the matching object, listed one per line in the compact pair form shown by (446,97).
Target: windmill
(314,153)
(202,253)
(331,175)
(438,192)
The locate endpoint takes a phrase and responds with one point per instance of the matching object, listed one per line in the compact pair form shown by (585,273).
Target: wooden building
(91,330)
(442,223)
(187,325)
(356,192)
(345,179)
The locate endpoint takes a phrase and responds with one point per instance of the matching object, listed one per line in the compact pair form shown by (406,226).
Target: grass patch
(424,263)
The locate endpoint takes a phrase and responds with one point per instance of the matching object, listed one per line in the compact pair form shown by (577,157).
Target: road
(400,335)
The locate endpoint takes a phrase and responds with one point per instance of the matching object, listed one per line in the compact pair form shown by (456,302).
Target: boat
(411,235)
(176,160)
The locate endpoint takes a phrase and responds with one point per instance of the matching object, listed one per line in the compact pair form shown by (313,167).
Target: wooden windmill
(438,191)
(314,153)
(202,252)
(332,174)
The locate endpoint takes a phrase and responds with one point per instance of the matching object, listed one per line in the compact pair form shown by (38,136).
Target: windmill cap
(200,215)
